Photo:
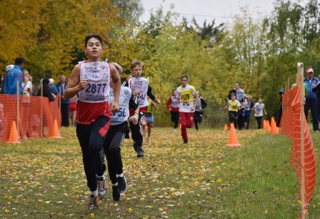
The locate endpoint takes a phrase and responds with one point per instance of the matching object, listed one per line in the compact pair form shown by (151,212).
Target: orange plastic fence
(30,114)
(291,126)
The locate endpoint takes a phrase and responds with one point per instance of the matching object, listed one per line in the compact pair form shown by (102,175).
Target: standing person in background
(61,87)
(311,98)
(173,107)
(26,122)
(13,75)
(73,110)
(259,109)
(198,113)
(247,112)
(148,119)
(52,87)
(233,106)
(185,94)
(1,83)
(34,87)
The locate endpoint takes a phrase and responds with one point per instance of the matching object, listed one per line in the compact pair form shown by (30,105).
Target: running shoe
(122,184)
(94,203)
(115,193)
(185,141)
(102,188)
(139,152)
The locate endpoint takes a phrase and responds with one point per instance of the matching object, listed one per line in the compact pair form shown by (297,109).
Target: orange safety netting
(291,124)
(34,114)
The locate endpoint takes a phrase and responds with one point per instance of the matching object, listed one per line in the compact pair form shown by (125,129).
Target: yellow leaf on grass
(219,180)
(130,209)
(91,214)
(6,211)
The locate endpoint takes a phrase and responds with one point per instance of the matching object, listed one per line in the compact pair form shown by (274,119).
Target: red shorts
(72,107)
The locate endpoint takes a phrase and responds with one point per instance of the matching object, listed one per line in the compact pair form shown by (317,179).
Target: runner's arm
(75,84)
(116,84)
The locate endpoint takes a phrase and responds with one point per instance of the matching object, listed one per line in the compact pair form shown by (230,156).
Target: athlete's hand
(83,84)
(134,119)
(135,92)
(114,106)
(170,109)
(192,108)
(157,101)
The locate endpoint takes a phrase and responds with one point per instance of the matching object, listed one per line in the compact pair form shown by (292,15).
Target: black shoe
(122,184)
(185,141)
(94,203)
(115,193)
(139,152)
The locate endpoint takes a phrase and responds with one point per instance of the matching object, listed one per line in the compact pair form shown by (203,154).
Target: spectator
(1,83)
(52,87)
(13,76)
(73,110)
(61,87)
(26,125)
(34,87)
(311,98)
(46,90)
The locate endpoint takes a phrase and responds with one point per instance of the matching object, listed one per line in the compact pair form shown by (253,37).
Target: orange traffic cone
(268,128)
(225,127)
(55,130)
(233,140)
(13,137)
(274,129)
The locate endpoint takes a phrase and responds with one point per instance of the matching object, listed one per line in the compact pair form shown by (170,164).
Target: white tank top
(141,84)
(124,99)
(98,75)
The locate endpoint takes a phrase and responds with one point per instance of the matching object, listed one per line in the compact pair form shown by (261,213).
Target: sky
(220,10)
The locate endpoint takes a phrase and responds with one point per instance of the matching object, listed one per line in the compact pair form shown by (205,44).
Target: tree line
(261,53)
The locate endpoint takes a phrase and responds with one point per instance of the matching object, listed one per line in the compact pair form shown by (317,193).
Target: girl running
(173,107)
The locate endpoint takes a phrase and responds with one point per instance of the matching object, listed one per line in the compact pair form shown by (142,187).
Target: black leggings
(197,118)
(259,121)
(175,118)
(112,149)
(233,118)
(136,132)
(91,143)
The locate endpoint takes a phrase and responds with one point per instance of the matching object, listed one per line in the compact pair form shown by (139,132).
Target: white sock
(119,175)
(103,177)
(94,193)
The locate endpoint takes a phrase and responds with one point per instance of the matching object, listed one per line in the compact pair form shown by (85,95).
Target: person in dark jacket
(46,90)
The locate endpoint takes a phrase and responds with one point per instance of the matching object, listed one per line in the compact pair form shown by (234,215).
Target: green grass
(44,178)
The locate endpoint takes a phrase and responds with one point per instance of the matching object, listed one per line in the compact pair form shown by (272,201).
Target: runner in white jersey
(185,94)
(91,81)
(140,87)
(117,131)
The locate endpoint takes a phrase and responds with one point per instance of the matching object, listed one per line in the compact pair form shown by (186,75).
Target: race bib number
(121,115)
(141,98)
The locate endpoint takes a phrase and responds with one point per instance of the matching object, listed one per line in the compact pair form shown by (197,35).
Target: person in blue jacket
(311,98)
(14,75)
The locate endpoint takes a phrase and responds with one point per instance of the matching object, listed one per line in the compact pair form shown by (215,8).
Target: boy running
(259,109)
(117,131)
(90,80)
(141,88)
(173,107)
(184,95)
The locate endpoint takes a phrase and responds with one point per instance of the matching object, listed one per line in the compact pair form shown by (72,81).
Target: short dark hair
(134,63)
(19,61)
(185,76)
(92,35)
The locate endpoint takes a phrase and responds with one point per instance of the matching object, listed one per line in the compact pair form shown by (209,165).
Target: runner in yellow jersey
(148,119)
(233,107)
(185,94)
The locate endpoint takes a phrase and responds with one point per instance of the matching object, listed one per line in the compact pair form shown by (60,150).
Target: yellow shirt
(233,105)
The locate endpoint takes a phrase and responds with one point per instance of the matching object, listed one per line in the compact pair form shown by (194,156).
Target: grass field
(44,178)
